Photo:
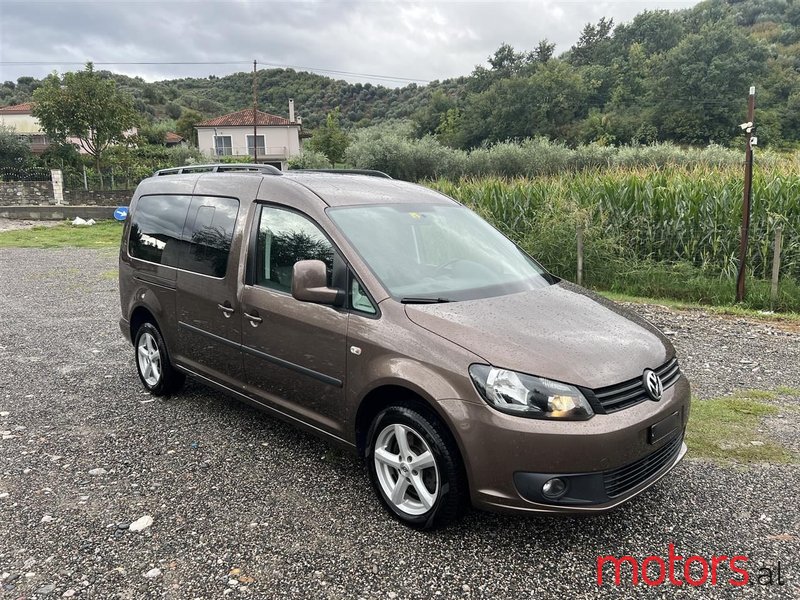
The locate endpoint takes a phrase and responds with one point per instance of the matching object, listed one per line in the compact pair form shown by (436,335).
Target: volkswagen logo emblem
(653,385)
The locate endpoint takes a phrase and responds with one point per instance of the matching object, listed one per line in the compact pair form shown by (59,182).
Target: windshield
(436,252)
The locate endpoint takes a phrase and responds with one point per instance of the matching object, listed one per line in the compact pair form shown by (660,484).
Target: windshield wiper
(423,300)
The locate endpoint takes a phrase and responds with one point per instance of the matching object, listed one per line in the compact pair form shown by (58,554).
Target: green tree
(14,153)
(631,78)
(543,104)
(544,51)
(85,106)
(173,110)
(506,62)
(656,31)
(329,139)
(431,115)
(450,131)
(594,44)
(701,85)
(184,126)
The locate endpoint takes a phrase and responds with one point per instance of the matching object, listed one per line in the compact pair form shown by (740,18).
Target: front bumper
(607,489)
(606,460)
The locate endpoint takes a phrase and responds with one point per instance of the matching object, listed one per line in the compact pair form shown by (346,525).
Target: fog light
(554,488)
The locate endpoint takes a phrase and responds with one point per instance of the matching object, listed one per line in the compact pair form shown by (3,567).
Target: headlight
(529,396)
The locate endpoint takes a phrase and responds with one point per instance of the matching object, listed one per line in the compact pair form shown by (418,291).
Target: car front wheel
(415,468)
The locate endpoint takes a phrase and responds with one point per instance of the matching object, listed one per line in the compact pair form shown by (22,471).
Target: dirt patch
(14,224)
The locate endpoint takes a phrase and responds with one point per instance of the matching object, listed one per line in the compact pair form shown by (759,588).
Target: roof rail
(220,168)
(368,172)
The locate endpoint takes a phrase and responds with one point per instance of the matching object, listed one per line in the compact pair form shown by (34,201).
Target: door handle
(227,309)
(255,320)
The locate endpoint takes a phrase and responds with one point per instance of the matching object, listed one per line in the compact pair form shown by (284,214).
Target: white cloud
(414,40)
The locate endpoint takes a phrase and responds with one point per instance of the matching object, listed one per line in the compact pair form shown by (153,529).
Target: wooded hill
(679,76)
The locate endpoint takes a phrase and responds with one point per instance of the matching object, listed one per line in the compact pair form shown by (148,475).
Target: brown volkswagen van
(394,321)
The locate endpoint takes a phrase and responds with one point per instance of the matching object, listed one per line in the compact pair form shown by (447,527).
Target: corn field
(672,216)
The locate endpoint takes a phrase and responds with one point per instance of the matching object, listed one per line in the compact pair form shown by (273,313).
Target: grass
(685,283)
(105,234)
(723,429)
(735,310)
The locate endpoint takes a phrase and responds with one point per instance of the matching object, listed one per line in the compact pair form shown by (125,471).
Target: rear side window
(207,235)
(156,228)
(285,237)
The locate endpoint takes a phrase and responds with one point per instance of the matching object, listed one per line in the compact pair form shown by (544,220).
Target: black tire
(149,348)
(419,426)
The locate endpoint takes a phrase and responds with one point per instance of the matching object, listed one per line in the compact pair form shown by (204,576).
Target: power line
(33,63)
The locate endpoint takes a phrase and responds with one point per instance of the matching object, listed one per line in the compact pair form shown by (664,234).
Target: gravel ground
(243,505)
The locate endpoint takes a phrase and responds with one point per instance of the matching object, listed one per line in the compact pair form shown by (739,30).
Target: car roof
(348,189)
(332,188)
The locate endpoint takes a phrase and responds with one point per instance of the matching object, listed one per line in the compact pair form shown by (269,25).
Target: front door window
(285,237)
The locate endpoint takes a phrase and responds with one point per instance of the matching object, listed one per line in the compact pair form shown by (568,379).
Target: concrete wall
(40,193)
(56,213)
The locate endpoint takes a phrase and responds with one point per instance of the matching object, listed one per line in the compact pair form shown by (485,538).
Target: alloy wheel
(149,359)
(406,469)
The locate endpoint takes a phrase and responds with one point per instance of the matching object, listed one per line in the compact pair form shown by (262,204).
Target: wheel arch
(394,393)
(140,315)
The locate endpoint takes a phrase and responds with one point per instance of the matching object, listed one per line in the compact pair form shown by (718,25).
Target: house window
(222,145)
(259,143)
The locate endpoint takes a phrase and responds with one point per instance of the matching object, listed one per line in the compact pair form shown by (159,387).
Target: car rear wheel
(153,364)
(415,468)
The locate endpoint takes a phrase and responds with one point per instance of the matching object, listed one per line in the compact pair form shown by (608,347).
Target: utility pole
(255,115)
(749,128)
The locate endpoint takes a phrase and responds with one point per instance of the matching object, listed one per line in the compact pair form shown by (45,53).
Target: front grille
(632,392)
(621,480)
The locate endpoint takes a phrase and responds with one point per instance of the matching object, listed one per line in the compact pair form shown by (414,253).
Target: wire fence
(84,178)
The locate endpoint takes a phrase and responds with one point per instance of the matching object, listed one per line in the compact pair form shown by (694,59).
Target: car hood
(562,332)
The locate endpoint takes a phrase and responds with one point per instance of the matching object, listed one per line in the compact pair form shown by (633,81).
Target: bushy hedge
(392,148)
(309,159)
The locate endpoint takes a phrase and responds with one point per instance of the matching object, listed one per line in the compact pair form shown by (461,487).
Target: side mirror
(309,283)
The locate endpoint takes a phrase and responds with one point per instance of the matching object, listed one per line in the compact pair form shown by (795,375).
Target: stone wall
(93,198)
(15,193)
(40,193)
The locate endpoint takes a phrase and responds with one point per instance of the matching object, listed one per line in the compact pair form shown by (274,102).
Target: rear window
(191,233)
(156,228)
(207,235)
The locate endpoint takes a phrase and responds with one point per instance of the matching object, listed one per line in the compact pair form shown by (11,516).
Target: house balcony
(38,143)
(270,153)
(39,147)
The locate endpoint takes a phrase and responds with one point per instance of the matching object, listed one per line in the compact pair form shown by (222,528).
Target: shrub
(309,159)
(392,148)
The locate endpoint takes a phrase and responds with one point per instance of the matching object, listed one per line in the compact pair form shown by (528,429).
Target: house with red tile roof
(173,139)
(276,139)
(20,119)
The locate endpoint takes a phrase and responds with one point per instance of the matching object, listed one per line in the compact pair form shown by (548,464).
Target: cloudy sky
(387,42)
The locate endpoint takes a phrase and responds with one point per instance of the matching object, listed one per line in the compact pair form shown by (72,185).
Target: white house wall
(281,143)
(22,124)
